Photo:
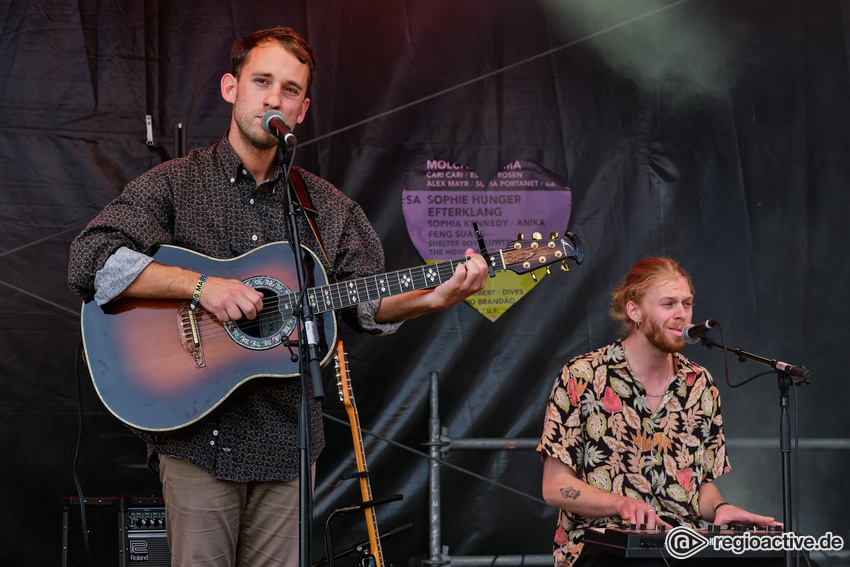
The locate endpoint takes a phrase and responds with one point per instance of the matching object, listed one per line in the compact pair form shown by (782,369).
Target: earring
(638,325)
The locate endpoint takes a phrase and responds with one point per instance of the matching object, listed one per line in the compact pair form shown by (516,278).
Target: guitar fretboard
(351,292)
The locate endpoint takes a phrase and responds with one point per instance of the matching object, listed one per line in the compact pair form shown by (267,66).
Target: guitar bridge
(190,334)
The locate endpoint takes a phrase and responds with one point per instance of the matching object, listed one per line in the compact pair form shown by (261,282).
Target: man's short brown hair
(287,39)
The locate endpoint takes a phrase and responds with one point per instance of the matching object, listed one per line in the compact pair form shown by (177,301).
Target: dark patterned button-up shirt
(207,202)
(598,422)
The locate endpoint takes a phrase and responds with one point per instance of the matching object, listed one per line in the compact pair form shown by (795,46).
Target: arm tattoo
(570,493)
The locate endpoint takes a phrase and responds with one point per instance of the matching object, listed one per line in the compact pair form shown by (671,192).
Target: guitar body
(137,352)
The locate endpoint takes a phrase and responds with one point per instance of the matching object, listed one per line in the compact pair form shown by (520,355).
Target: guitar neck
(520,257)
(366,495)
(351,292)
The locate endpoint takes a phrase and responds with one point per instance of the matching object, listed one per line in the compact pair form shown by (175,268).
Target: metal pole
(435,552)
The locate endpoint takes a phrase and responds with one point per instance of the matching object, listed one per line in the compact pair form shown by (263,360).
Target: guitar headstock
(523,256)
(342,382)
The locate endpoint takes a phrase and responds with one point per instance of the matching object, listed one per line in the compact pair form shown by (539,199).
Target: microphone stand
(787,375)
(367,560)
(308,365)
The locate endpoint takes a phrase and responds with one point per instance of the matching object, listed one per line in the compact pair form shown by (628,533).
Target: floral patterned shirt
(599,422)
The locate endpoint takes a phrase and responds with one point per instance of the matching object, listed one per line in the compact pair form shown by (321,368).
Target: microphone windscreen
(686,335)
(267,118)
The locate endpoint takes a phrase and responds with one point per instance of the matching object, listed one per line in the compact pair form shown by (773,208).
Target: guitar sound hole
(268,322)
(271,327)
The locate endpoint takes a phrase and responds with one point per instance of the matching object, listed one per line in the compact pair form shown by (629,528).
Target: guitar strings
(349,292)
(270,315)
(338,295)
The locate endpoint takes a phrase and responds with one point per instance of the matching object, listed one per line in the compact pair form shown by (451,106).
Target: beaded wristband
(196,296)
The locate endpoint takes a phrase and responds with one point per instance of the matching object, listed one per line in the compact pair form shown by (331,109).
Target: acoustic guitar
(158,365)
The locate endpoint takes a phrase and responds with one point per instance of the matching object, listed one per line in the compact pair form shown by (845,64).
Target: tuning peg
(533,276)
(537,236)
(548,272)
(520,236)
(553,235)
(564,266)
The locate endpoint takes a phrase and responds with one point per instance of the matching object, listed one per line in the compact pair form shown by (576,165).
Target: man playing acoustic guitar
(230,480)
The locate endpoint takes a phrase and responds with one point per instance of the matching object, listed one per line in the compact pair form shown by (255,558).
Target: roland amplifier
(124,532)
(144,536)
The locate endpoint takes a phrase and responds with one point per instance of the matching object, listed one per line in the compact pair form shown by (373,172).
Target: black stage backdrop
(713,131)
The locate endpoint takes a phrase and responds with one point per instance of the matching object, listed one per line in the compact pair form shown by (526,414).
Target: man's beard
(658,338)
(259,140)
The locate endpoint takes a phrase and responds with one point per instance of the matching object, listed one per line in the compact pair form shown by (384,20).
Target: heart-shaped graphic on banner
(441,200)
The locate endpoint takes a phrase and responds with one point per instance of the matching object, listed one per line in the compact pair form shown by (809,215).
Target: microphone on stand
(794,370)
(693,333)
(275,124)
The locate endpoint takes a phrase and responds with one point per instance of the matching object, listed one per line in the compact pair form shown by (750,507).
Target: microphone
(794,370)
(275,124)
(693,333)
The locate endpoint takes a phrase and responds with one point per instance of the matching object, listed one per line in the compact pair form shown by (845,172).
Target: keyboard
(640,542)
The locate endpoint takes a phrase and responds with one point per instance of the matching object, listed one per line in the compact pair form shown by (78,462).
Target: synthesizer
(640,542)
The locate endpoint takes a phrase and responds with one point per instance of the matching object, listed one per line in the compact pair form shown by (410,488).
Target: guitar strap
(310,212)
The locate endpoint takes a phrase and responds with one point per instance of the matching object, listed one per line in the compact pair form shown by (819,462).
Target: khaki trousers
(218,523)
